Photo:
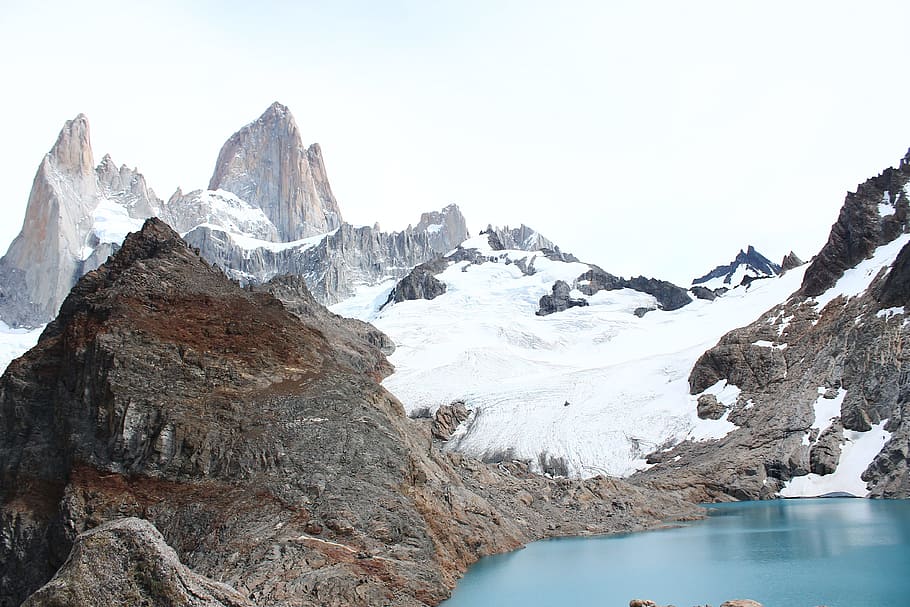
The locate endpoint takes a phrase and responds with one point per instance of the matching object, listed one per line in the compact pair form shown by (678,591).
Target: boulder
(559,300)
(447,419)
(709,407)
(127,562)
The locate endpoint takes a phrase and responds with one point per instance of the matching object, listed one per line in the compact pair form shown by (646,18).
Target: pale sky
(652,138)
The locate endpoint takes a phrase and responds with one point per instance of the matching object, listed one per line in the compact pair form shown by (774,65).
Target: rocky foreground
(254,435)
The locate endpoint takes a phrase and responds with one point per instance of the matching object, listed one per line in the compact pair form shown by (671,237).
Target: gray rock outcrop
(127,562)
(447,419)
(669,296)
(266,164)
(750,262)
(334,266)
(860,228)
(709,407)
(790,261)
(559,300)
(445,229)
(420,283)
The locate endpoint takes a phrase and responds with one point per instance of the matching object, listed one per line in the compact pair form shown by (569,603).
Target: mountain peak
(277,109)
(72,151)
(747,265)
(266,164)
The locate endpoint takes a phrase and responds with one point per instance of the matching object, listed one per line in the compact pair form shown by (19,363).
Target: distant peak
(73,148)
(277,113)
(748,262)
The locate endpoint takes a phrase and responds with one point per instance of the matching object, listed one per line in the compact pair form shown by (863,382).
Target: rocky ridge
(258,442)
(836,343)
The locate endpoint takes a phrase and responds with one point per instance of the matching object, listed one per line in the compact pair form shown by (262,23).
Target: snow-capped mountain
(745,267)
(269,210)
(560,363)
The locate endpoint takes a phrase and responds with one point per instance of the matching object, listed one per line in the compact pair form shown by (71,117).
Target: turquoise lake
(785,553)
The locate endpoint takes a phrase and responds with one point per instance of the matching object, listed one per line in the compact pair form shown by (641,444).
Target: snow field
(625,378)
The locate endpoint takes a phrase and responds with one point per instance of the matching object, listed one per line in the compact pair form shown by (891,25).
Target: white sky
(647,137)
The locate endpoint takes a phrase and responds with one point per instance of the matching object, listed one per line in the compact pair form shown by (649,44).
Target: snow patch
(596,386)
(889,312)
(856,280)
(826,409)
(111,222)
(886,207)
(857,453)
(764,343)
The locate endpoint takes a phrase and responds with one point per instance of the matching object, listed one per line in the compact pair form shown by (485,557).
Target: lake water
(783,553)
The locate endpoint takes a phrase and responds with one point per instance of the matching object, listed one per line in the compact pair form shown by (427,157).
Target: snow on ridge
(857,453)
(250,243)
(856,280)
(596,388)
(111,222)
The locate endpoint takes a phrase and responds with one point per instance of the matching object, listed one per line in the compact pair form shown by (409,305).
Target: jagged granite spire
(42,262)
(266,164)
(59,241)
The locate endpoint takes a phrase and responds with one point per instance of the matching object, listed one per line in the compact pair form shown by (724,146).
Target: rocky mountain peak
(445,229)
(745,267)
(72,151)
(266,164)
(874,215)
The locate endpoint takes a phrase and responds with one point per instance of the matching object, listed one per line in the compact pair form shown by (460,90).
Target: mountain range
(189,374)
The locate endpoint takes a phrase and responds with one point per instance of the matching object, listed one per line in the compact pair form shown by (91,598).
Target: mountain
(269,211)
(77,214)
(255,436)
(585,389)
(266,164)
(814,389)
(746,266)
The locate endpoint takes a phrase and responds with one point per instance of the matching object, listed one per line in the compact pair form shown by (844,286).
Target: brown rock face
(258,442)
(266,164)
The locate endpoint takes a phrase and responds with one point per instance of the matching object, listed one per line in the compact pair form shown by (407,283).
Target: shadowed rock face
(258,442)
(669,296)
(860,227)
(797,353)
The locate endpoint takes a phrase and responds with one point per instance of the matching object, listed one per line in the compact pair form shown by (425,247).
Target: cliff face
(61,238)
(335,265)
(257,441)
(266,164)
(822,376)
